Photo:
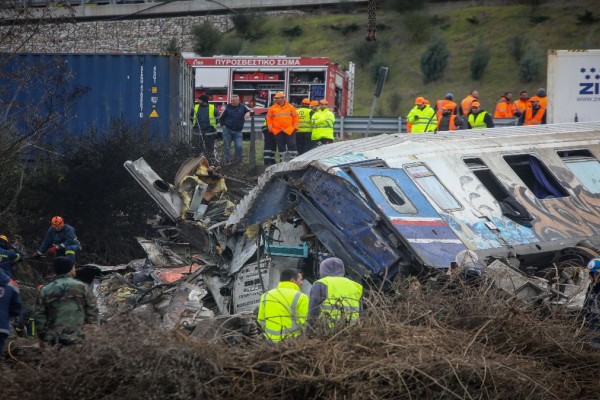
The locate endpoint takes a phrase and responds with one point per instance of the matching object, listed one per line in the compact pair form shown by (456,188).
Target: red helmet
(58,223)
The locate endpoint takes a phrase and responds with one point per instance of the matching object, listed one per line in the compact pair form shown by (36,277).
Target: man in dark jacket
(232,121)
(10,306)
(60,239)
(64,306)
(334,298)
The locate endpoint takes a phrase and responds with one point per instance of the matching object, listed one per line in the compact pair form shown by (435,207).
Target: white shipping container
(573,86)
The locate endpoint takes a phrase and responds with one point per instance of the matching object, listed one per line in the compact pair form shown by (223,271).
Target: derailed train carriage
(525,200)
(403,203)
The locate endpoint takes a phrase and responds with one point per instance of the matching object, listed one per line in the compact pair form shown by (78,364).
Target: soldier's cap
(62,265)
(419,100)
(448,107)
(278,95)
(475,104)
(314,103)
(324,102)
(305,101)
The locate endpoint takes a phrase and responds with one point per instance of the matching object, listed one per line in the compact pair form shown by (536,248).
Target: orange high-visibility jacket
(283,118)
(544,102)
(439,107)
(533,119)
(521,105)
(465,105)
(504,109)
(452,126)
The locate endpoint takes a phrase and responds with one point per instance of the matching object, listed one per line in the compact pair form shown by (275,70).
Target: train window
(584,166)
(393,194)
(487,178)
(432,186)
(536,176)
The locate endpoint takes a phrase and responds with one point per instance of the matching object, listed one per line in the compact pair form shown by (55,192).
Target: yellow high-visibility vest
(343,300)
(282,312)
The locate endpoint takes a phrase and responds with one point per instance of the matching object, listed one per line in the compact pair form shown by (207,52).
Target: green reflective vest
(282,312)
(423,120)
(477,122)
(343,300)
(211,115)
(322,123)
(305,123)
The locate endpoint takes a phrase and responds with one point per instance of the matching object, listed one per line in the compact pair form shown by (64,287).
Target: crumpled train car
(404,203)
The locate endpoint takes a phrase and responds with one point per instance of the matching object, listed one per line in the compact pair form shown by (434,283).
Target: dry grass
(459,342)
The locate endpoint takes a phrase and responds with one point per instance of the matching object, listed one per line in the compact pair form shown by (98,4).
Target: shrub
(517,44)
(292,31)
(416,26)
(379,61)
(244,22)
(206,38)
(434,60)
(587,18)
(172,46)
(479,61)
(530,68)
(231,45)
(364,52)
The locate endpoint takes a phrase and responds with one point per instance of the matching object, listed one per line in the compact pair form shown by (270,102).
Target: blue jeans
(228,136)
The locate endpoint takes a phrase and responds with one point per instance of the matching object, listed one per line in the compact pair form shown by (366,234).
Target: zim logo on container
(592,78)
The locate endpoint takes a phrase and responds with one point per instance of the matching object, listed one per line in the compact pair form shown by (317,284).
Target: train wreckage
(522,202)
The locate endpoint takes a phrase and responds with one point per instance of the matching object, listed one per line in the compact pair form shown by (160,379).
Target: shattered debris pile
(453,342)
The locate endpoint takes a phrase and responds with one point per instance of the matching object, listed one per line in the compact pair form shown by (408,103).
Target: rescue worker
(334,299)
(541,93)
(591,305)
(322,123)
(304,134)
(282,311)
(9,256)
(504,108)
(10,306)
(439,105)
(60,239)
(449,121)
(64,306)
(478,118)
(521,104)
(534,115)
(204,127)
(269,147)
(283,121)
(465,104)
(422,117)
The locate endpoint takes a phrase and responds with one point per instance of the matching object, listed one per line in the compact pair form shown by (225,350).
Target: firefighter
(9,256)
(303,136)
(60,239)
(283,121)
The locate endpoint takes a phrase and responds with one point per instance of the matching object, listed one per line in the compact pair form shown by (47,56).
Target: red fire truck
(256,79)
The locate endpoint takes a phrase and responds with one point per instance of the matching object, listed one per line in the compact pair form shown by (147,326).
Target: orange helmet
(314,103)
(57,223)
(305,101)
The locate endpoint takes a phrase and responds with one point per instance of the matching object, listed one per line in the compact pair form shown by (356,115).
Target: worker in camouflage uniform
(64,305)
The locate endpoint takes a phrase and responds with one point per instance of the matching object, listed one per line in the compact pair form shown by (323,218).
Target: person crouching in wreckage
(591,306)
(282,311)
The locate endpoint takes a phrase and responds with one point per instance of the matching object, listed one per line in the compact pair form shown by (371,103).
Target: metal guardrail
(346,125)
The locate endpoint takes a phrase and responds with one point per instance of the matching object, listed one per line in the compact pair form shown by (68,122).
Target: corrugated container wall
(89,91)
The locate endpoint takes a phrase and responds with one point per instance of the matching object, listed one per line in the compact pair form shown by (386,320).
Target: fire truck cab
(256,79)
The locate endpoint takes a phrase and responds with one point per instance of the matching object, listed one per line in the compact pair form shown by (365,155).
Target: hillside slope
(401,46)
